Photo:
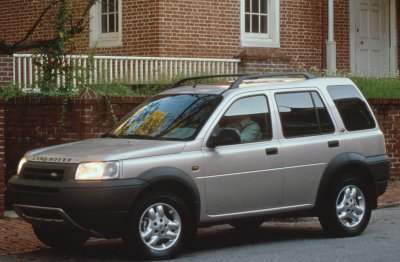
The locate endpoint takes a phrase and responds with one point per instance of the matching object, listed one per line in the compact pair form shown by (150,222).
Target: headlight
(21,163)
(97,171)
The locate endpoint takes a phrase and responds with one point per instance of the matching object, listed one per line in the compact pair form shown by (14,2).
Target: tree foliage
(61,17)
(65,27)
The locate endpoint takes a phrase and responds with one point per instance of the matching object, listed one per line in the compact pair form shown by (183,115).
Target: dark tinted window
(325,120)
(303,114)
(352,108)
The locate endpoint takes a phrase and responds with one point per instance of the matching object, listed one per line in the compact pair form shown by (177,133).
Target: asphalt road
(299,241)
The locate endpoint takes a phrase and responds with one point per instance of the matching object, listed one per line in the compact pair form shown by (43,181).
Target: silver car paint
(106,150)
(238,180)
(305,159)
(242,178)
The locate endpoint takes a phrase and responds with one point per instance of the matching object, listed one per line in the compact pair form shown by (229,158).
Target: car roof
(259,84)
(198,89)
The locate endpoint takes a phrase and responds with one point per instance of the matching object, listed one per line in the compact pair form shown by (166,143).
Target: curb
(389,205)
(10,214)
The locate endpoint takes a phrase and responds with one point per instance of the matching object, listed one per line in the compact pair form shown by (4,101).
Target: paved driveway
(302,241)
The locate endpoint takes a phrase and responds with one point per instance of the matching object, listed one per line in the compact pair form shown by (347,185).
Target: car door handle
(334,143)
(271,151)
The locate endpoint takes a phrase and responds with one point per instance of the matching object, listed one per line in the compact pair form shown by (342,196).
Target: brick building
(359,36)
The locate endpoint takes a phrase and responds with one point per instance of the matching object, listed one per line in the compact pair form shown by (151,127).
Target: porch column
(331,43)
(2,173)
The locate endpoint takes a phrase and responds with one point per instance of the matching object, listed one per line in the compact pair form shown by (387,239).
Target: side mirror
(225,136)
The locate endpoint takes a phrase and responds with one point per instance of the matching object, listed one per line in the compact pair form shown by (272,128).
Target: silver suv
(261,146)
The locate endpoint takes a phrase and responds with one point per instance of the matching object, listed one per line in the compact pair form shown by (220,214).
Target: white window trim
(97,38)
(267,40)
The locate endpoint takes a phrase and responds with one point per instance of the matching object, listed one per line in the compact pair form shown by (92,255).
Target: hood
(104,149)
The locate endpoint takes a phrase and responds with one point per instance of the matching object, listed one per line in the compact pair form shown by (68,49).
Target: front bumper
(100,207)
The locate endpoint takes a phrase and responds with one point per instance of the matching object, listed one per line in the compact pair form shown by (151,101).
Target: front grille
(35,189)
(43,174)
(45,171)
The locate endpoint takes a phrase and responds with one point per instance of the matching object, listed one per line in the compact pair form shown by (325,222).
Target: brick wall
(342,34)
(387,112)
(268,64)
(179,28)
(6,70)
(203,28)
(17,16)
(301,41)
(301,36)
(140,29)
(2,177)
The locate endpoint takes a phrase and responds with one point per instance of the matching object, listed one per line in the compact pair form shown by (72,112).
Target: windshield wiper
(137,136)
(105,135)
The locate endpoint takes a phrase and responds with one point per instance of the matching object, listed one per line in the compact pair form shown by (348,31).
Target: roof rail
(240,80)
(243,77)
(180,82)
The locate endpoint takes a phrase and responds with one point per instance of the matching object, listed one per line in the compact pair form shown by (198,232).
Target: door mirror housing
(225,136)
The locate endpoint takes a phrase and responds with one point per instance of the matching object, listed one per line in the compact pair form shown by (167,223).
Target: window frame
(314,110)
(97,37)
(272,38)
(268,103)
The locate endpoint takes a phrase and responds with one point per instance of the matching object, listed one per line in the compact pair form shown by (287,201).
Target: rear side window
(303,114)
(352,108)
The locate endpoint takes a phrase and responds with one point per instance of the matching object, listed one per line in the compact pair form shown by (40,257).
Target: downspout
(393,44)
(331,44)
(323,34)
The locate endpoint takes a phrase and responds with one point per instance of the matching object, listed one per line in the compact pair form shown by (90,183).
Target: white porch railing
(127,69)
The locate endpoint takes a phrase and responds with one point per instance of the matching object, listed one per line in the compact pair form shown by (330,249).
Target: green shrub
(378,87)
(8,91)
(369,86)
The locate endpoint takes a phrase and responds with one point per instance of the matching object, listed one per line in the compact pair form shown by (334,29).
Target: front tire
(159,226)
(347,210)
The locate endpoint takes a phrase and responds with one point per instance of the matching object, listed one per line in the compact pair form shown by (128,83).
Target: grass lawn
(378,87)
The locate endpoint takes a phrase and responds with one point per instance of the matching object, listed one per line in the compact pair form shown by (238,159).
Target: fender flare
(166,173)
(341,161)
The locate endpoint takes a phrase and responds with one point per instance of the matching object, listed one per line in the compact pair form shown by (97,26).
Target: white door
(372,38)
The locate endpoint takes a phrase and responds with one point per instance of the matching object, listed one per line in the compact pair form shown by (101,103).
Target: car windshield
(168,117)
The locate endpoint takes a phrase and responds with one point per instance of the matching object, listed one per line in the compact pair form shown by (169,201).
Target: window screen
(257,16)
(109,16)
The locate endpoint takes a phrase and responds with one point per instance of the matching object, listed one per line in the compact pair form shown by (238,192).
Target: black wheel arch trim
(378,168)
(166,173)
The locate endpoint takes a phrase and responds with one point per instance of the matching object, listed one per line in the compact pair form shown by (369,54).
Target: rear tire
(347,209)
(159,226)
(59,237)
